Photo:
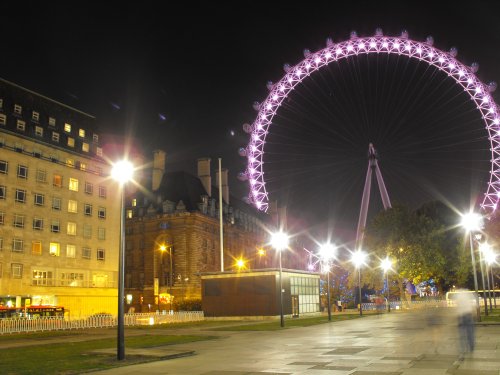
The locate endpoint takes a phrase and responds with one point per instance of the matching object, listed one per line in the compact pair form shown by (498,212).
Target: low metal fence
(396,305)
(52,323)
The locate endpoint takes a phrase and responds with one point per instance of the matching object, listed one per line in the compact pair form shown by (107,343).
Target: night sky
(184,79)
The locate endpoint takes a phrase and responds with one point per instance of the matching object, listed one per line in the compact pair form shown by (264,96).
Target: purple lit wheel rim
(444,61)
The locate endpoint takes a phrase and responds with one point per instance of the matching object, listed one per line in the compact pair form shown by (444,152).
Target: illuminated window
(71,228)
(134,202)
(72,206)
(81,133)
(21,125)
(86,253)
(38,131)
(71,142)
(20,196)
(55,249)
(4,167)
(41,175)
(85,147)
(35,116)
(95,137)
(38,223)
(101,233)
(101,213)
(89,187)
(36,248)
(56,203)
(52,121)
(18,221)
(87,209)
(17,270)
(3,192)
(17,245)
(83,166)
(101,253)
(87,231)
(67,128)
(73,184)
(70,251)
(22,171)
(99,151)
(3,119)
(129,214)
(18,109)
(57,180)
(39,199)
(55,137)
(55,226)
(42,277)
(70,163)
(102,191)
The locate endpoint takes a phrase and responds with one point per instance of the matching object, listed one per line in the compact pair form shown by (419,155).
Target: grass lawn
(76,357)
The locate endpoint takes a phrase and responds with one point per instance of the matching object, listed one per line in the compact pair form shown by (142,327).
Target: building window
(4,167)
(38,223)
(17,245)
(42,277)
(101,254)
(134,202)
(81,133)
(35,116)
(55,226)
(20,196)
(56,203)
(67,128)
(87,209)
(70,163)
(3,119)
(89,188)
(57,180)
(71,142)
(72,206)
(22,171)
(71,228)
(55,249)
(38,131)
(17,270)
(73,184)
(129,214)
(99,151)
(52,121)
(41,175)
(21,125)
(19,147)
(87,231)
(39,199)
(95,137)
(18,221)
(3,192)
(83,166)
(86,253)
(2,218)
(55,137)
(1,243)
(36,248)
(71,251)
(101,213)
(18,109)
(85,147)
(101,233)
(102,191)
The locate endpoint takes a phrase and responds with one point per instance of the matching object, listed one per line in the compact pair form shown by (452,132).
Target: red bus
(33,311)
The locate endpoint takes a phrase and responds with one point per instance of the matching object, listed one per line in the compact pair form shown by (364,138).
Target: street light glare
(358,258)
(279,241)
(327,251)
(122,171)
(386,264)
(471,221)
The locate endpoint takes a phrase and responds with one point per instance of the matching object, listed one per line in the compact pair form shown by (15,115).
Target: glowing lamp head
(279,241)
(471,221)
(386,264)
(240,263)
(122,171)
(327,251)
(358,258)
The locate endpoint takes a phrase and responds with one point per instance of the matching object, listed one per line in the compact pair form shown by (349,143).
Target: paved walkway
(389,344)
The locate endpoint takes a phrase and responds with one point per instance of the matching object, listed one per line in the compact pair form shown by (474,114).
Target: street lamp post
(481,268)
(471,222)
(327,253)
(279,241)
(386,266)
(170,277)
(121,172)
(358,258)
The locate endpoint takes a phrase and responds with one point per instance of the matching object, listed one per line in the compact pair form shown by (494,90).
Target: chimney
(158,168)
(225,186)
(204,174)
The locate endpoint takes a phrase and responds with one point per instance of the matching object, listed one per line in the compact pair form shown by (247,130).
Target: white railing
(396,305)
(52,323)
